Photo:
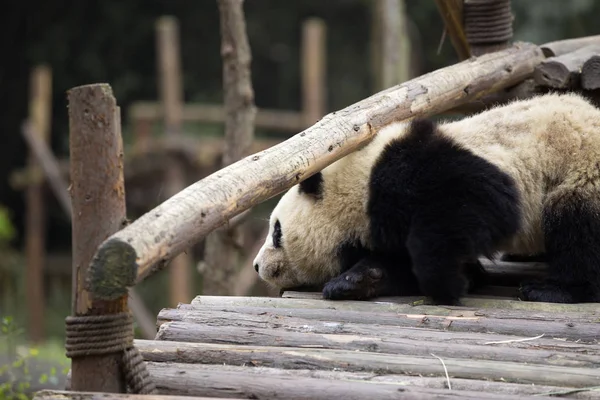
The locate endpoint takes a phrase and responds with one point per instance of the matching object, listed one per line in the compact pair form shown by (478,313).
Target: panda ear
(312,186)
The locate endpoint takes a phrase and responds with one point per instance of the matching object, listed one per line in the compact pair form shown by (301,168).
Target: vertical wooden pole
(98,199)
(391,44)
(171,94)
(221,254)
(39,114)
(313,70)
(142,132)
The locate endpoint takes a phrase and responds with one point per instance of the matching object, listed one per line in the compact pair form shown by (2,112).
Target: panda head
(300,246)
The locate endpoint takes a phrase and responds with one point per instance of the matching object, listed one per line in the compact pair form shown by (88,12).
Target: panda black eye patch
(277,234)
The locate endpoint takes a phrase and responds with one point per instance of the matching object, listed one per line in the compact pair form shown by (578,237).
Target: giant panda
(413,211)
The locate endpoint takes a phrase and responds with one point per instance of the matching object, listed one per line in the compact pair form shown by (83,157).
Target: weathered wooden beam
(154,239)
(264,383)
(51,168)
(98,199)
(40,111)
(467,321)
(563,72)
(355,361)
(292,121)
(375,342)
(590,73)
(66,395)
(286,388)
(385,315)
(452,14)
(560,47)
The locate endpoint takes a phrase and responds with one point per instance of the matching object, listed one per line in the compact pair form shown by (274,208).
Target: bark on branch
(156,237)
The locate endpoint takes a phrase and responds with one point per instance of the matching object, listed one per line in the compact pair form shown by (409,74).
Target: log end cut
(113,269)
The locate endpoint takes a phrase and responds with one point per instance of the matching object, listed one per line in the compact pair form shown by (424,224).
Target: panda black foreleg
(373,276)
(572,230)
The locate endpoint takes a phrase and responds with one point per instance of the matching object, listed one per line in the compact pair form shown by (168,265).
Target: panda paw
(545,291)
(353,285)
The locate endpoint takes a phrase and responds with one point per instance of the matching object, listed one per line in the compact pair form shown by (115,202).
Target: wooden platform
(302,347)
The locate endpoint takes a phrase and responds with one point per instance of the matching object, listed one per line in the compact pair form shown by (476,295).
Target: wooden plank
(295,390)
(164,232)
(394,304)
(171,93)
(268,383)
(65,395)
(98,194)
(563,72)
(40,104)
(346,360)
(313,70)
(574,331)
(379,316)
(373,341)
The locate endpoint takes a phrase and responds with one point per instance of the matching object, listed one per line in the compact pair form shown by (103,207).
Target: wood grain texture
(563,72)
(356,361)
(159,235)
(271,383)
(371,340)
(560,47)
(98,201)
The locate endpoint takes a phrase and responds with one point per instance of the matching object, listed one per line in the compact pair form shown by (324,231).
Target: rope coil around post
(487,22)
(107,334)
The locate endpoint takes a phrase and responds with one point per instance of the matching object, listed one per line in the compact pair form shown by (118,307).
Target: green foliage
(7,230)
(17,375)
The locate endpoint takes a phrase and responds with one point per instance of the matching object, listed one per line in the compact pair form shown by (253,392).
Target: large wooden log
(301,389)
(590,73)
(350,360)
(154,239)
(563,72)
(373,341)
(560,47)
(584,332)
(273,383)
(98,199)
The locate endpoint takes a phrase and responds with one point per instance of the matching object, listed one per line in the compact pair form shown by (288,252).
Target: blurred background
(301,51)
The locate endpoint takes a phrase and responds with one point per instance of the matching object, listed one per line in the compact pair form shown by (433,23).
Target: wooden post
(40,106)
(152,240)
(50,166)
(171,93)
(98,199)
(390,44)
(221,255)
(313,60)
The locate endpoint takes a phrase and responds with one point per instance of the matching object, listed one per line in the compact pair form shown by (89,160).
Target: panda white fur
(412,211)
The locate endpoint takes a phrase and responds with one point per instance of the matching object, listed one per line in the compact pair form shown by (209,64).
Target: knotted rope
(487,21)
(108,334)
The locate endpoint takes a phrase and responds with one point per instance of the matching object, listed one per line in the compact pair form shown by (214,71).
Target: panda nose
(256,267)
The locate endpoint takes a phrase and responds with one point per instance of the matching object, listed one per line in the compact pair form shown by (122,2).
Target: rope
(487,21)
(91,335)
